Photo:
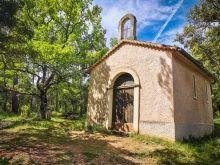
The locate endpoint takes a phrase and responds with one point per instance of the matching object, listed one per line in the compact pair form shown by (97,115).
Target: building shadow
(165,80)
(97,111)
(57,146)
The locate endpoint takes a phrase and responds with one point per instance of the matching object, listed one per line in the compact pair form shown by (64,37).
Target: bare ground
(71,147)
(62,141)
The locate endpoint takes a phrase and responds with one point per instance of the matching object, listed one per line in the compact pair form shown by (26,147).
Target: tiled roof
(153,46)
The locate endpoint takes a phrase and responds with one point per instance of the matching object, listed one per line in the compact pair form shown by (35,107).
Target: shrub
(25,110)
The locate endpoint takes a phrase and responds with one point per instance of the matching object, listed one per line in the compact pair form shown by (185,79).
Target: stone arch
(122,22)
(121,71)
(114,76)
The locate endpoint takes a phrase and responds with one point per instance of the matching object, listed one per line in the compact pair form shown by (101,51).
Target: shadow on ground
(64,142)
(55,143)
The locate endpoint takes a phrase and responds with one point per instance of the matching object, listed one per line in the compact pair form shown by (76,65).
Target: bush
(98,128)
(25,111)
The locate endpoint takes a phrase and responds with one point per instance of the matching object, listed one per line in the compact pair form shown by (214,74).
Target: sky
(158,21)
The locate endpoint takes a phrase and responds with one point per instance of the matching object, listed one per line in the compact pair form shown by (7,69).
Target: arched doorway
(123,103)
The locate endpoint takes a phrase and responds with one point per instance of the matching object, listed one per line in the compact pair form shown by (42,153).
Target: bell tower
(127,27)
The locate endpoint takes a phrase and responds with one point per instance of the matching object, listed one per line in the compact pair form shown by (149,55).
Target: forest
(46,47)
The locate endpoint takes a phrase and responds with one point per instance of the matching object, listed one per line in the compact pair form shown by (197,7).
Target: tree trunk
(81,99)
(32,97)
(31,103)
(43,105)
(65,107)
(57,102)
(43,95)
(15,104)
(5,101)
(73,106)
(5,91)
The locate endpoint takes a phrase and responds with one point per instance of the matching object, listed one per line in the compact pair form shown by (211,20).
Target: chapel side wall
(193,116)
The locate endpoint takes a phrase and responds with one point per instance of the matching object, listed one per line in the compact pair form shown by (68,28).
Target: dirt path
(55,143)
(125,150)
(110,149)
(76,148)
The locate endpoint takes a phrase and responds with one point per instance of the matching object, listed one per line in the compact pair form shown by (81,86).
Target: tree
(13,32)
(7,21)
(113,42)
(202,37)
(45,44)
(64,32)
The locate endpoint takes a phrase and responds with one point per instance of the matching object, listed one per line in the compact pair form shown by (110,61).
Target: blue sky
(151,16)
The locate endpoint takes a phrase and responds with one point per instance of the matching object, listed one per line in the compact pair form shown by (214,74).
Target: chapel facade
(149,88)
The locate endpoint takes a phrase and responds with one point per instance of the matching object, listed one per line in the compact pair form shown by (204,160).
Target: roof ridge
(149,43)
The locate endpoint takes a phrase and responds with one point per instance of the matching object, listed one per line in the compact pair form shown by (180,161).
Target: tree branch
(23,70)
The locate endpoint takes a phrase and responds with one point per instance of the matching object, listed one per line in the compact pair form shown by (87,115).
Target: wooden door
(122,116)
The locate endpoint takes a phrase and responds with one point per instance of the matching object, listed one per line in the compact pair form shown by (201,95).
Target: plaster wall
(193,115)
(154,70)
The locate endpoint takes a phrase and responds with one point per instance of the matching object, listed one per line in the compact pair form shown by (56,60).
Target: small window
(194,87)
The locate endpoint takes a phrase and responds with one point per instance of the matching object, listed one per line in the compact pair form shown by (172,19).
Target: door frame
(136,112)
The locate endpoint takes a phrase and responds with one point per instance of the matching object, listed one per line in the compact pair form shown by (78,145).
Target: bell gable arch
(121,27)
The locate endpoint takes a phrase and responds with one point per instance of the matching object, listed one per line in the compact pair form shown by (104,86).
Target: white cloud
(168,20)
(169,36)
(147,13)
(174,31)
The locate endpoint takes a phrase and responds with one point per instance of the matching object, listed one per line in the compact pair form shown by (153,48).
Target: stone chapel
(149,88)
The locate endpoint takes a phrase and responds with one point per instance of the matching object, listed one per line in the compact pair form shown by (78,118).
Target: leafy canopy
(202,37)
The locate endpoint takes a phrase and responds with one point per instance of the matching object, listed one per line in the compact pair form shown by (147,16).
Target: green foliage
(4,161)
(25,110)
(201,36)
(47,45)
(6,115)
(98,128)
(113,41)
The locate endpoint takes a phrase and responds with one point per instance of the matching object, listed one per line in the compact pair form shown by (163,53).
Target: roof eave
(194,61)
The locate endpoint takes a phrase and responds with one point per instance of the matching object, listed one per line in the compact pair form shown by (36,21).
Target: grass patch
(92,151)
(98,128)
(197,151)
(65,158)
(5,161)
(55,142)
(16,123)
(9,116)
(45,138)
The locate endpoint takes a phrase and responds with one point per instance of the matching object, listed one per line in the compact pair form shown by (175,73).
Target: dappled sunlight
(60,143)
(165,80)
(63,141)
(97,108)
